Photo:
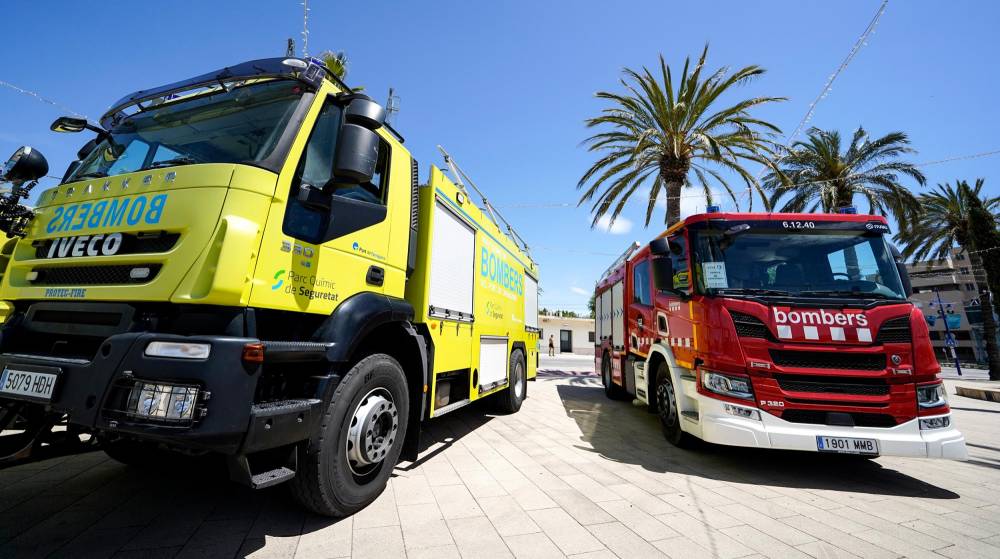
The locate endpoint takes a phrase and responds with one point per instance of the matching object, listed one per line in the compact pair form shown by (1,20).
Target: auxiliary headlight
(728,385)
(178,350)
(162,401)
(931,395)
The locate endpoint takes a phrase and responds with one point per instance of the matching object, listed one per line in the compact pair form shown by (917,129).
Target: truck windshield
(807,263)
(238,125)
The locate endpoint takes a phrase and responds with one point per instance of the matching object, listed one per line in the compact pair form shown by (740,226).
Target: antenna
(458,175)
(391,105)
(305,28)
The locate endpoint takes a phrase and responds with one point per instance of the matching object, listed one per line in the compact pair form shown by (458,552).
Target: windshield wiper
(750,291)
(844,292)
(91,175)
(182,160)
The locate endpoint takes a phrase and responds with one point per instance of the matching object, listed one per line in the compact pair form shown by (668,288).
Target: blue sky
(505,86)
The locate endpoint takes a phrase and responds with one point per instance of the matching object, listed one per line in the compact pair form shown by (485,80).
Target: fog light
(738,411)
(939,422)
(178,350)
(162,401)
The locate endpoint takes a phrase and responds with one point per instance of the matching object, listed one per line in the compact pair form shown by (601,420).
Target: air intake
(895,330)
(749,326)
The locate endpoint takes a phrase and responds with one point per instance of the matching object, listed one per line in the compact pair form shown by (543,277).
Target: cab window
(641,293)
(316,169)
(679,262)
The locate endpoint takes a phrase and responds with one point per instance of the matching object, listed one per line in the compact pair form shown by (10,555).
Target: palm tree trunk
(989,323)
(673,202)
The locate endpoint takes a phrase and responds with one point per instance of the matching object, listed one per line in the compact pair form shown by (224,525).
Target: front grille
(118,274)
(748,326)
(896,330)
(832,385)
(828,360)
(860,419)
(144,243)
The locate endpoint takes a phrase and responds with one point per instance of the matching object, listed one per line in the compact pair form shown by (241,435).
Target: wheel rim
(519,379)
(667,407)
(373,430)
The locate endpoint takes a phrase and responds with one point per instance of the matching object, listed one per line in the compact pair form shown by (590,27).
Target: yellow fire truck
(245,263)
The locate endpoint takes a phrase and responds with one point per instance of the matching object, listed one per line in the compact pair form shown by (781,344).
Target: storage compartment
(492,362)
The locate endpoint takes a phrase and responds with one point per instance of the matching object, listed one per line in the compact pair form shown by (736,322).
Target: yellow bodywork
(231,250)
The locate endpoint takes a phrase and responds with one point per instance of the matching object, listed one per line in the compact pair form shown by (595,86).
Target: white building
(570,335)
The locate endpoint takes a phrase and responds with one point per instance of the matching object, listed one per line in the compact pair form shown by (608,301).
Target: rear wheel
(360,440)
(667,410)
(611,390)
(510,400)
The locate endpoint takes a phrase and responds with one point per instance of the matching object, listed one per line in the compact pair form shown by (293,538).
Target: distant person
(552,346)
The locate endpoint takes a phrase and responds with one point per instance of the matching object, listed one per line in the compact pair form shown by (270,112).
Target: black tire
(667,410)
(337,477)
(611,390)
(509,401)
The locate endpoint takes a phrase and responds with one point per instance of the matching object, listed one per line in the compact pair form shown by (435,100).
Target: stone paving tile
(565,532)
(572,474)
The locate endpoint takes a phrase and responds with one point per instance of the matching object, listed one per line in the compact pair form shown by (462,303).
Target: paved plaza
(573,474)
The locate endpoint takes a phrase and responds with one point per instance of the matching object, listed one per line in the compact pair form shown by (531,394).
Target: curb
(978,393)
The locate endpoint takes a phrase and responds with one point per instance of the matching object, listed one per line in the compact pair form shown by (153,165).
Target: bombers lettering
(821,317)
(498,271)
(108,213)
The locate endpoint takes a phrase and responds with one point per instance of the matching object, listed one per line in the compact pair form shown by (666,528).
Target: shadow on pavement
(623,432)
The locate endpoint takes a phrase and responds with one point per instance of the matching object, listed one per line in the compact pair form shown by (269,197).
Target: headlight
(931,395)
(178,350)
(728,385)
(162,401)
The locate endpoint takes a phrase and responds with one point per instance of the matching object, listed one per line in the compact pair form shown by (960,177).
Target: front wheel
(359,442)
(667,410)
(510,400)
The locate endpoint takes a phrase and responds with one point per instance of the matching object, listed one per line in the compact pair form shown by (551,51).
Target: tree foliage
(667,135)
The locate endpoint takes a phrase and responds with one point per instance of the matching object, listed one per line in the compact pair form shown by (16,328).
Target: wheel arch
(661,353)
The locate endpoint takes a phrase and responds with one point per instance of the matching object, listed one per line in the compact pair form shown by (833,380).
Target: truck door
(672,309)
(641,326)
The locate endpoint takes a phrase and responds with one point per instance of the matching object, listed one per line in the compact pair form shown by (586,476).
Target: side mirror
(69,124)
(660,247)
(663,273)
(26,165)
(357,154)
(904,275)
(363,111)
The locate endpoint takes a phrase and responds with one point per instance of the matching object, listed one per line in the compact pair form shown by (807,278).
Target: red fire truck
(789,331)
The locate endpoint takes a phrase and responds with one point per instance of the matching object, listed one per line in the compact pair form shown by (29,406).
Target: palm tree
(654,131)
(819,176)
(960,216)
(336,62)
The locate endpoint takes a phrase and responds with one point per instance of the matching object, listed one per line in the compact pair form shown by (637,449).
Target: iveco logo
(85,245)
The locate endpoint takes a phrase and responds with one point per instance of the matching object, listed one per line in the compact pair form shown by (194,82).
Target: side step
(288,352)
(239,471)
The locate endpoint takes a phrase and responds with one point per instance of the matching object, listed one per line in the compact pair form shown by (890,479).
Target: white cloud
(579,290)
(620,226)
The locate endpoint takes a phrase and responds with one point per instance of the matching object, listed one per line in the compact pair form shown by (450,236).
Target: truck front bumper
(906,439)
(104,394)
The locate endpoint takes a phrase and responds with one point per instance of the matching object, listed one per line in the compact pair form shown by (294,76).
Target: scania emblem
(896,360)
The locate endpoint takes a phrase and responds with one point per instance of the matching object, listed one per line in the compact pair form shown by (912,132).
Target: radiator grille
(896,330)
(414,194)
(828,360)
(130,244)
(748,326)
(828,385)
(861,419)
(118,274)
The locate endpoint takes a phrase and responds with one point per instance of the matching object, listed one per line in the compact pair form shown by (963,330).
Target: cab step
(240,470)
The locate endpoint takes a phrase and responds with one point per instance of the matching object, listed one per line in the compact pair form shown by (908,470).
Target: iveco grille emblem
(896,360)
(106,186)
(169,177)
(124,183)
(147,180)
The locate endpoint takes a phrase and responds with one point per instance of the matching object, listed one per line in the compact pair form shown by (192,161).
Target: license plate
(847,445)
(32,385)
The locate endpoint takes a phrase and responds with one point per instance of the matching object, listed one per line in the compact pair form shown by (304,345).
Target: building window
(964,270)
(591,336)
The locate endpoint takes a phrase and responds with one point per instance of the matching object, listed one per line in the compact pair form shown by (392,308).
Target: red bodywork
(829,359)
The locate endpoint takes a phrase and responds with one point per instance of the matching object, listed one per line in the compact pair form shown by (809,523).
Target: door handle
(376,276)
